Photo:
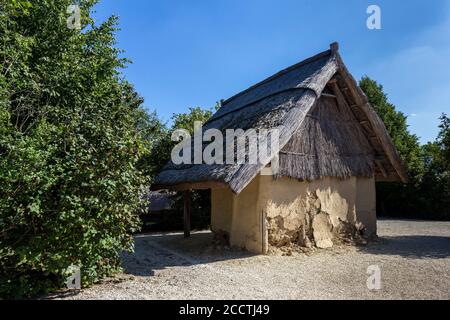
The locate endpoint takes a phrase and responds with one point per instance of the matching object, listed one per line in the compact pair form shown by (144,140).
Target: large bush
(72,140)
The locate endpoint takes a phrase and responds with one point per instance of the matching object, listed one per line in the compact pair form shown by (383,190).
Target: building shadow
(411,246)
(160,251)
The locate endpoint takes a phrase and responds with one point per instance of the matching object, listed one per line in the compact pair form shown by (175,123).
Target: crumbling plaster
(273,213)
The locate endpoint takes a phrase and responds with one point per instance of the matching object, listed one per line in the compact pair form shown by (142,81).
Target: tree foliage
(443,142)
(435,187)
(187,120)
(72,139)
(163,144)
(395,121)
(428,193)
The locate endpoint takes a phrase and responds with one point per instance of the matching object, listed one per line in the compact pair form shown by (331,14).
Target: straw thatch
(159,201)
(327,129)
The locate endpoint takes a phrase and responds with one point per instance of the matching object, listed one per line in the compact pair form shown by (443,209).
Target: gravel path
(413,256)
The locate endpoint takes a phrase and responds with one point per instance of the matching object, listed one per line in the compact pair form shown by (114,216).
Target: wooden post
(187,213)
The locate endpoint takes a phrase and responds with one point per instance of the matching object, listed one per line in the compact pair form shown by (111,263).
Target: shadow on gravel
(413,247)
(61,295)
(157,252)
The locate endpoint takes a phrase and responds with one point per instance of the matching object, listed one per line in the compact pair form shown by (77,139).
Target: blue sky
(196,52)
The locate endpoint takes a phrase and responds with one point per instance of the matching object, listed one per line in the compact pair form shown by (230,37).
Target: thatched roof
(327,129)
(159,201)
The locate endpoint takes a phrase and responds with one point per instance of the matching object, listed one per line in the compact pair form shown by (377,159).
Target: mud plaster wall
(221,209)
(366,203)
(239,216)
(302,213)
(318,213)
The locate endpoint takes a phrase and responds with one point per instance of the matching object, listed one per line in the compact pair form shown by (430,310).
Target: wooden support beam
(328,95)
(187,213)
(333,80)
(381,167)
(377,124)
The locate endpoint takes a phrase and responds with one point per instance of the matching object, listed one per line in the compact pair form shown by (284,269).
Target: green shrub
(71,149)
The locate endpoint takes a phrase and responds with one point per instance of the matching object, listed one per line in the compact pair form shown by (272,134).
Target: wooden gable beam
(381,167)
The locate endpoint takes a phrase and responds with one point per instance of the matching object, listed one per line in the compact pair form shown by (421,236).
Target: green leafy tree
(163,144)
(395,121)
(435,188)
(443,142)
(200,199)
(187,120)
(397,199)
(428,193)
(156,134)
(72,139)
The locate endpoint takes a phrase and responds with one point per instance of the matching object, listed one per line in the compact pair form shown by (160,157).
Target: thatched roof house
(332,149)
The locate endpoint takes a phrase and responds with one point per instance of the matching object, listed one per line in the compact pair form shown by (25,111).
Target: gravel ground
(414,258)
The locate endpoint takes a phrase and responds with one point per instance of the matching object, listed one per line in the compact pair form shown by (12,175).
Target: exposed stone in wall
(303,223)
(322,231)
